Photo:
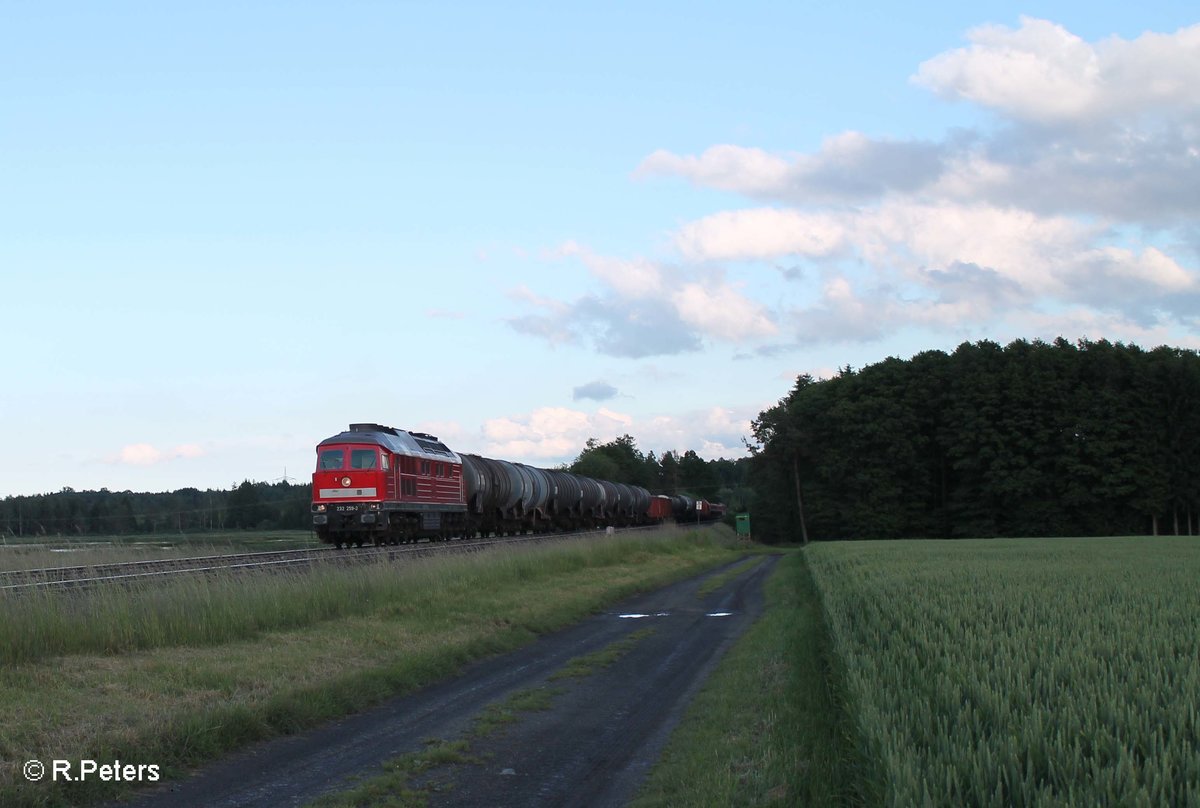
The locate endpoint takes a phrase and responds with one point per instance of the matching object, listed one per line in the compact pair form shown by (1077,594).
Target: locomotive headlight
(320,508)
(345,482)
(374,506)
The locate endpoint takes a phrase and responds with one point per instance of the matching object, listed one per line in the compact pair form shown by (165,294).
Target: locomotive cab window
(332,459)
(362,458)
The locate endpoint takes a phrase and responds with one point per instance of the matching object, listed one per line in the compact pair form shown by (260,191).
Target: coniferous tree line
(1029,439)
(68,513)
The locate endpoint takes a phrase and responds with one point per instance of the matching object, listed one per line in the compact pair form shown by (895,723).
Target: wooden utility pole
(799,498)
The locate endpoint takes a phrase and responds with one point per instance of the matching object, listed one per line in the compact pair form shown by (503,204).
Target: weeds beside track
(82,576)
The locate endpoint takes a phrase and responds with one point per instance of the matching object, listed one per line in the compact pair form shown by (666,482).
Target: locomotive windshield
(332,459)
(335,459)
(362,458)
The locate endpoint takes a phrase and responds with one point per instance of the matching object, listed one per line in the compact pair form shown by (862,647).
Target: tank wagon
(381,485)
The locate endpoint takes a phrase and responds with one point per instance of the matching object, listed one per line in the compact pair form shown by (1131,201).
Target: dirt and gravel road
(598,734)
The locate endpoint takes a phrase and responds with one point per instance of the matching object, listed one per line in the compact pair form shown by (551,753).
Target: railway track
(85,576)
(67,577)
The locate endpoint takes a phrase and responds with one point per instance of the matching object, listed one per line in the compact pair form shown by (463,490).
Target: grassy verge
(767,728)
(180,678)
(204,611)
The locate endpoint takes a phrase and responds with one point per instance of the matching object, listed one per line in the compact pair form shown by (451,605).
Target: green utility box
(743,525)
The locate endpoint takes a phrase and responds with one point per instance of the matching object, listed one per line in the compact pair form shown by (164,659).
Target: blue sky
(228,230)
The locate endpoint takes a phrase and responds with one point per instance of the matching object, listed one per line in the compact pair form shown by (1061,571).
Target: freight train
(381,485)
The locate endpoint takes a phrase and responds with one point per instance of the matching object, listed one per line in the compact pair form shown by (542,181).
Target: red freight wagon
(660,508)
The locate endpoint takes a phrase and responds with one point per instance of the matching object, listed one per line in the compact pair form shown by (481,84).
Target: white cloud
(1030,250)
(957,262)
(1150,268)
(848,166)
(145,454)
(139,454)
(1042,72)
(646,309)
(712,433)
(632,279)
(1144,172)
(729,168)
(761,233)
(553,435)
(721,311)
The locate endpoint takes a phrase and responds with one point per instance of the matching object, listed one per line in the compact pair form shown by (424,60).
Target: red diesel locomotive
(382,485)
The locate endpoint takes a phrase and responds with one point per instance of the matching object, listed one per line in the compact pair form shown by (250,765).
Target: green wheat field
(1019,672)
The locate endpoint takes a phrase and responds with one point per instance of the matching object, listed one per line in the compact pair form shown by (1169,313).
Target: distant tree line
(67,513)
(1030,439)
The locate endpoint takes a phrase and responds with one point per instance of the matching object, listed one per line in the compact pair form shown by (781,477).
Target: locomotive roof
(397,441)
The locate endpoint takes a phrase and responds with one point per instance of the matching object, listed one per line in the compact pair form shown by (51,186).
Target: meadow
(1017,672)
(180,672)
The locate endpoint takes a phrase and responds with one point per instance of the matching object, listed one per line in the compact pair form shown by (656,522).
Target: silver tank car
(504,497)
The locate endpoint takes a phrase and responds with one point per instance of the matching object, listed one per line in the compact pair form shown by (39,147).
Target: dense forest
(1030,439)
(282,505)
(67,513)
